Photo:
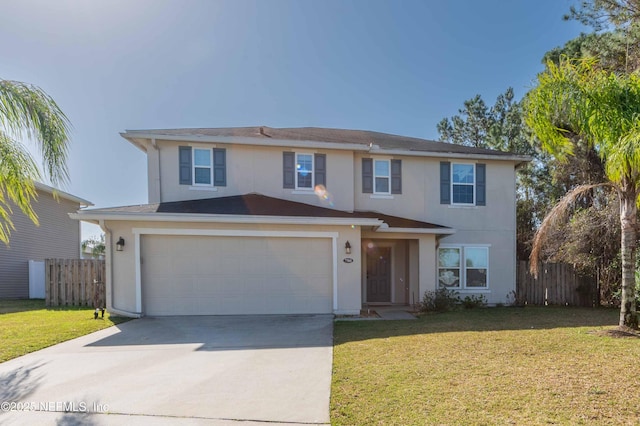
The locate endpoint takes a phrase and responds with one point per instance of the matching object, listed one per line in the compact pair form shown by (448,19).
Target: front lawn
(27,325)
(534,365)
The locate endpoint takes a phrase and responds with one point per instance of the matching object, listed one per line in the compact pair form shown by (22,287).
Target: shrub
(440,300)
(470,302)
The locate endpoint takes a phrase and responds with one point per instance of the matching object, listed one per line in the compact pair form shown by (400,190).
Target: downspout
(109,260)
(159,180)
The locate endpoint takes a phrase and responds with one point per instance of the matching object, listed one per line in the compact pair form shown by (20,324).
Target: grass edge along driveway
(28,325)
(532,365)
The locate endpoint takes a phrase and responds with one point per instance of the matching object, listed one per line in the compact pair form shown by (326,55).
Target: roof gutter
(135,138)
(87,215)
(57,193)
(519,158)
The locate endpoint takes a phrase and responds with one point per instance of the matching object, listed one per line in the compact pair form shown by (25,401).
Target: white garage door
(205,275)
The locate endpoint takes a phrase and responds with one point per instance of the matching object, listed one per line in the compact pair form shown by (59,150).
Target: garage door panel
(196,275)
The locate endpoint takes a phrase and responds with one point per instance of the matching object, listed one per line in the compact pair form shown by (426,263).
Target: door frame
(392,258)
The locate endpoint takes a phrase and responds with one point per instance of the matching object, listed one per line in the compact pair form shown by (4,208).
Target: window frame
(376,176)
(311,172)
(459,268)
(194,166)
(473,185)
(463,268)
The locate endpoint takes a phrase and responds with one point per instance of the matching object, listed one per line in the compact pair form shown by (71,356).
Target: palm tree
(575,102)
(28,113)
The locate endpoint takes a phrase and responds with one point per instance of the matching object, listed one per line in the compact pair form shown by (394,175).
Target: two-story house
(259,220)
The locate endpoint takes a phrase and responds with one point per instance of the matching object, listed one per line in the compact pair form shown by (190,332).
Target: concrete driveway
(186,370)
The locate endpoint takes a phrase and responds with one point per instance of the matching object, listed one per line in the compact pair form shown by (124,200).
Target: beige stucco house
(260,220)
(57,236)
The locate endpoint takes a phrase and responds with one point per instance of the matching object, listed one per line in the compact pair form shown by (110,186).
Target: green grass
(486,366)
(27,325)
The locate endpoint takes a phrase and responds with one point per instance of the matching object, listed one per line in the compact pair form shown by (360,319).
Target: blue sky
(390,66)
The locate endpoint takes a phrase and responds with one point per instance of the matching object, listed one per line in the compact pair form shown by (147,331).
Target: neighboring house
(260,220)
(57,236)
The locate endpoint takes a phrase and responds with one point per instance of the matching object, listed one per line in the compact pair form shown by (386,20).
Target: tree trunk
(628,209)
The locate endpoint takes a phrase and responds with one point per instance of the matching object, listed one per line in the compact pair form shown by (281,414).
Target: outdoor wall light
(120,244)
(347,247)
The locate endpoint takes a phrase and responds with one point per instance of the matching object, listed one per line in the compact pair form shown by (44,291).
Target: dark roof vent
(262,133)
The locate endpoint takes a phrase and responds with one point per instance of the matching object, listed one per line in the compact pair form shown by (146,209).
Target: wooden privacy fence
(557,284)
(75,282)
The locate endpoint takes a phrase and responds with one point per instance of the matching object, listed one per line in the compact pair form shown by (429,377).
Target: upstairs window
(463,183)
(304,171)
(382,176)
(202,166)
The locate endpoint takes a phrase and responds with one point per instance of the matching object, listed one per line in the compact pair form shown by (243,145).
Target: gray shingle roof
(363,137)
(261,205)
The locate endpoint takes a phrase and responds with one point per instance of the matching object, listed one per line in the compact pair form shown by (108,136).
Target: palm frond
(18,172)
(27,111)
(557,216)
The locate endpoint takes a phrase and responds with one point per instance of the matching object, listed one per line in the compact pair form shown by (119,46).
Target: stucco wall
(493,224)
(249,169)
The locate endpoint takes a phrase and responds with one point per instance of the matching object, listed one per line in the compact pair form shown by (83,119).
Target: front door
(379,275)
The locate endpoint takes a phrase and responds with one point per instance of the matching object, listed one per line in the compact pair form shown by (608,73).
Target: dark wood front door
(379,274)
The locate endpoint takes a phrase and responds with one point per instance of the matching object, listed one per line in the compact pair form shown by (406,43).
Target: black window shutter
(289,170)
(396,176)
(219,167)
(184,163)
(481,184)
(367,175)
(320,169)
(445,182)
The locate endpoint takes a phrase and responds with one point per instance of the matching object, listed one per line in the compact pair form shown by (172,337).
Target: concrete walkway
(187,370)
(394,313)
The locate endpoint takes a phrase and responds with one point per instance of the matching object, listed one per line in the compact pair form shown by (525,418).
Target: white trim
(463,268)
(194,166)
(206,218)
(381,196)
(136,254)
(334,249)
(137,138)
(305,191)
(388,176)
(137,232)
(462,206)
(312,171)
(455,155)
(437,231)
(470,290)
(57,193)
(234,233)
(203,187)
(473,185)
